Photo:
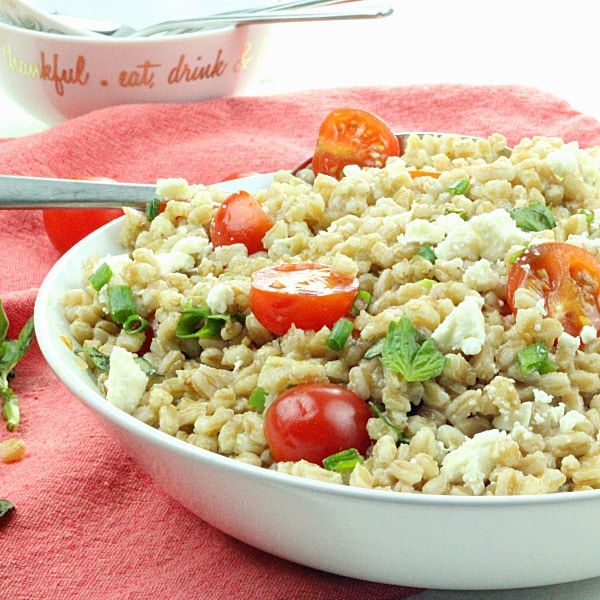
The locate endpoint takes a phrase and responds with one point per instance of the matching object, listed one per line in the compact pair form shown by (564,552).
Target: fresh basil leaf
(534,358)
(534,217)
(409,354)
(3,323)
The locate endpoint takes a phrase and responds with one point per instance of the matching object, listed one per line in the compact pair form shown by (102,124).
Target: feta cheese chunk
(219,298)
(171,262)
(126,382)
(463,329)
(488,236)
(473,462)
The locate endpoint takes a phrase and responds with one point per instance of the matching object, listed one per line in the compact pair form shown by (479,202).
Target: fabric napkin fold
(88,522)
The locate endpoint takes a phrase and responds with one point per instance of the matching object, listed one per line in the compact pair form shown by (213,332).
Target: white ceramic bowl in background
(57,77)
(439,542)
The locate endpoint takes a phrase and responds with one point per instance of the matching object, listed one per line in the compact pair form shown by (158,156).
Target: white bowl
(442,542)
(57,77)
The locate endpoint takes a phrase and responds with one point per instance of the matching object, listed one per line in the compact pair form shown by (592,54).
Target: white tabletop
(547,44)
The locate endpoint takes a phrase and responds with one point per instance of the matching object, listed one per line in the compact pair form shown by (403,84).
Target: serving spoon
(18,192)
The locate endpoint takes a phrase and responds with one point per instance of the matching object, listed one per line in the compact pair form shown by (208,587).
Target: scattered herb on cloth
(11,352)
(5,507)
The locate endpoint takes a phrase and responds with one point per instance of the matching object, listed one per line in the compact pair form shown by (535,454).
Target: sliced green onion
(340,333)
(121,302)
(135,324)
(362,301)
(426,283)
(152,209)
(198,322)
(342,461)
(534,358)
(589,215)
(513,257)
(460,186)
(427,253)
(100,277)
(257,398)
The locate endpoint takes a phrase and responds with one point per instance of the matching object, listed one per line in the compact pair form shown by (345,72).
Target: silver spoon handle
(368,12)
(42,192)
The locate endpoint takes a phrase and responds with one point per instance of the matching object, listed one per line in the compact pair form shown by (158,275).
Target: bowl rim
(216,32)
(93,400)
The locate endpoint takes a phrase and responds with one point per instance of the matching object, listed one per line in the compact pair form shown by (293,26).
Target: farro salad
(418,317)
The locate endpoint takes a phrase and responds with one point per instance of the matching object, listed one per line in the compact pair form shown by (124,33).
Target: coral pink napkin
(88,523)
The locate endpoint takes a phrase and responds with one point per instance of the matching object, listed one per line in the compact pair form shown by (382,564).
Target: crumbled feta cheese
(571,420)
(464,328)
(473,462)
(193,244)
(488,236)
(423,231)
(126,382)
(480,276)
(564,160)
(171,262)
(588,334)
(219,298)
(509,419)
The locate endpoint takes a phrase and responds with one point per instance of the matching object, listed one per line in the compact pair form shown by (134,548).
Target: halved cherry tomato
(66,226)
(350,136)
(240,220)
(566,277)
(307,295)
(312,421)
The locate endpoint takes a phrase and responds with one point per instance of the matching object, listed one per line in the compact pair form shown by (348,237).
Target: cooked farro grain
(484,426)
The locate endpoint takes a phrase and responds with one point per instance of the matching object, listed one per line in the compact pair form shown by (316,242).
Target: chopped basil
(460,186)
(100,277)
(374,350)
(400,435)
(427,253)
(152,209)
(534,217)
(406,352)
(257,398)
(5,506)
(534,358)
(340,333)
(121,302)
(342,461)
(362,301)
(11,352)
(102,361)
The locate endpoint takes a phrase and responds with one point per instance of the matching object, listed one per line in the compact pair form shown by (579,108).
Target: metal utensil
(284,16)
(46,192)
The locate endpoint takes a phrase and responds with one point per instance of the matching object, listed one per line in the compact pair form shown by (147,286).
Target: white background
(546,44)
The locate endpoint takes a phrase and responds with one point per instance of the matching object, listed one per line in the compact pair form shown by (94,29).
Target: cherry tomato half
(66,226)
(312,421)
(240,220)
(307,295)
(566,277)
(350,136)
